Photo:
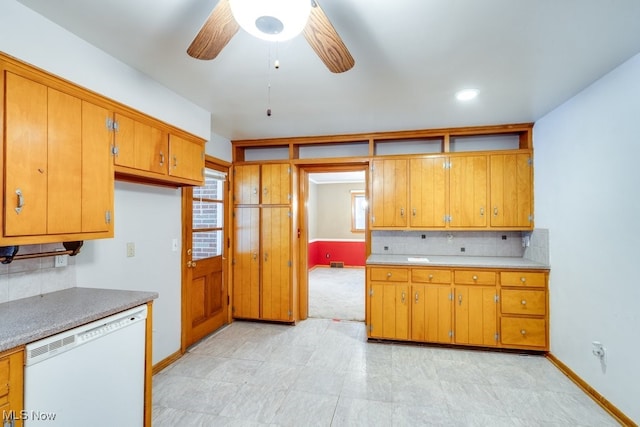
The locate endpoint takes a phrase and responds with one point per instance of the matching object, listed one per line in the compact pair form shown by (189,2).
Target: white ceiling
(525,57)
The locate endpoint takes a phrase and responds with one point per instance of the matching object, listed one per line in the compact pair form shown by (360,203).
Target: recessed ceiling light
(466,94)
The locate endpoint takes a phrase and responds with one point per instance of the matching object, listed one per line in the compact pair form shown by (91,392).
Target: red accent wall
(351,253)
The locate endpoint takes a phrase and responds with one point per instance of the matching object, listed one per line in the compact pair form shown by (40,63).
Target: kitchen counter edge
(30,319)
(456,261)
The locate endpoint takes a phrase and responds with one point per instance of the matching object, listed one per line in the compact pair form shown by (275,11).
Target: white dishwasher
(91,375)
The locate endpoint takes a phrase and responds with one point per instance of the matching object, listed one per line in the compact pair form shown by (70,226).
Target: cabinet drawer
(520,301)
(523,332)
(423,275)
(389,274)
(477,277)
(522,278)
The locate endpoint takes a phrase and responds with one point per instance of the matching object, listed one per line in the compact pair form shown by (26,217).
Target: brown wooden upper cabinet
(146,151)
(58,173)
(462,191)
(267,184)
(511,190)
(140,146)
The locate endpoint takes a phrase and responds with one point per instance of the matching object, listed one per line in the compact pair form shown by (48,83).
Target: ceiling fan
(222,24)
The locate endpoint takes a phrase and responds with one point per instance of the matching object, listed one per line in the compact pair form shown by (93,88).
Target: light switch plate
(131,249)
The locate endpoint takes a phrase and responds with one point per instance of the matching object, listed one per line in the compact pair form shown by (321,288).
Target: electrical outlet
(60,261)
(131,249)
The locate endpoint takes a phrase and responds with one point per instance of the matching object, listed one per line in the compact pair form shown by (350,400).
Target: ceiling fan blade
(216,32)
(326,42)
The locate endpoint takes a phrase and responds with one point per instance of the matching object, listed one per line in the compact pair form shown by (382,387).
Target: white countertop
(455,261)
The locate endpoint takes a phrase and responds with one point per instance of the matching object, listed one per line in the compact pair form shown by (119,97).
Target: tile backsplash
(34,276)
(458,243)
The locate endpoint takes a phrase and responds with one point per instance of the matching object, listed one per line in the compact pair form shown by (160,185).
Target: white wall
(587,159)
(148,216)
(219,147)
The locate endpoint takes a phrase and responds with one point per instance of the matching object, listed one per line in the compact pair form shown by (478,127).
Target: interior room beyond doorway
(336,245)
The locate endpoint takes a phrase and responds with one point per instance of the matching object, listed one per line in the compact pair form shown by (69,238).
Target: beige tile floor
(325,373)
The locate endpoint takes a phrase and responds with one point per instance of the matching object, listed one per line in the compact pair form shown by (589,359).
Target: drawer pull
(523,332)
(20,204)
(523,279)
(475,278)
(431,277)
(523,302)
(388,274)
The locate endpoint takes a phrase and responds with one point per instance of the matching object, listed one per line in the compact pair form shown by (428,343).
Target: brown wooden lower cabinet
(483,307)
(12,386)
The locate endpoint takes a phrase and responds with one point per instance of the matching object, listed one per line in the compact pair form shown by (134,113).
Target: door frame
(186,204)
(303,231)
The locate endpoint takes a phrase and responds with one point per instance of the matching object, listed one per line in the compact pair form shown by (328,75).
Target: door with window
(205,294)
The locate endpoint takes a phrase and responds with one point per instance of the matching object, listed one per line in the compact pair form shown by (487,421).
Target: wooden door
(25,159)
(186,158)
(12,386)
(276,264)
(475,315)
(246,263)
(468,191)
(389,310)
(64,159)
(205,294)
(431,313)
(276,184)
(151,149)
(246,184)
(124,142)
(389,194)
(428,192)
(97,170)
(511,190)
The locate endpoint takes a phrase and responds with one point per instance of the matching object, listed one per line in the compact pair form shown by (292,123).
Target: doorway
(334,247)
(205,296)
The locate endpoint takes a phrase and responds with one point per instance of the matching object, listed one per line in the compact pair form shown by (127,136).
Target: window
(208,216)
(358,211)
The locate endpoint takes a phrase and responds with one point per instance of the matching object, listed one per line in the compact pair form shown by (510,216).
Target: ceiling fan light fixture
(271,20)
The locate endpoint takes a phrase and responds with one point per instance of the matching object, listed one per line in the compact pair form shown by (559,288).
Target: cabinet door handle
(414,212)
(161,158)
(404,295)
(255,190)
(264,190)
(255,255)
(459,299)
(495,211)
(417,297)
(481,211)
(175,161)
(20,201)
(266,257)
(402,212)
